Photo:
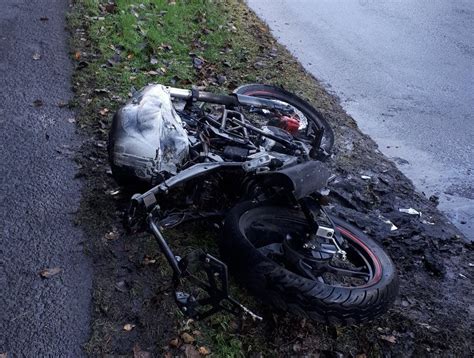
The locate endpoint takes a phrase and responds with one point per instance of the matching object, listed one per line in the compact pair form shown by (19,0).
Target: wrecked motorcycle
(254,158)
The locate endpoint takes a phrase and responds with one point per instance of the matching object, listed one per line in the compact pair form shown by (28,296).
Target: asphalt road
(405,71)
(38,193)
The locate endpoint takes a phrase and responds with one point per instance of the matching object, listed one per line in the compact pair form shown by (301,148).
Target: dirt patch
(133,312)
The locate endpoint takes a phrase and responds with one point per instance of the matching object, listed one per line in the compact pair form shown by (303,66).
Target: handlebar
(227,100)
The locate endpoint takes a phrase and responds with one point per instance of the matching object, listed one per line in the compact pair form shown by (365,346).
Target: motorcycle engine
(269,144)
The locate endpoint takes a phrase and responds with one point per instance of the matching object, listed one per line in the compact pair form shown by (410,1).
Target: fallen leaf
(49,272)
(198,62)
(138,353)
(71,120)
(153,60)
(187,338)
(166,47)
(390,339)
(128,327)
(36,56)
(361,355)
(77,55)
(174,343)
(190,351)
(62,104)
(116,58)
(148,260)
(110,7)
(121,286)
(104,111)
(112,235)
(204,351)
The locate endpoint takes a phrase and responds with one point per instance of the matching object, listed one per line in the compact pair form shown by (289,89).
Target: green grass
(153,35)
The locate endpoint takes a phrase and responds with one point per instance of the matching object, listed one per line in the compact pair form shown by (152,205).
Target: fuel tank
(147,140)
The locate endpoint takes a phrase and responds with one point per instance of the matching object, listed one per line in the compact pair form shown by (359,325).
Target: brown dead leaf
(112,235)
(165,47)
(174,343)
(147,260)
(104,111)
(128,327)
(49,272)
(77,55)
(110,7)
(390,339)
(361,355)
(190,351)
(138,353)
(204,351)
(187,338)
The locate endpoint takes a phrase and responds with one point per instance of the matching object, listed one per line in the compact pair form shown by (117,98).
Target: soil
(431,317)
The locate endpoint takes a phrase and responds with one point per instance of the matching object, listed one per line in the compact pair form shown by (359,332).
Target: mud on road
(431,317)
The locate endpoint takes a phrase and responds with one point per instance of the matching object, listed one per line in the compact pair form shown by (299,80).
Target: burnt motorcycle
(254,159)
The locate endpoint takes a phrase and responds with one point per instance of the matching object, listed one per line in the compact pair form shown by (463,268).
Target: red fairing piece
(290,124)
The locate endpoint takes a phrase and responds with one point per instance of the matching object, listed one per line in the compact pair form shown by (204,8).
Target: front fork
(321,226)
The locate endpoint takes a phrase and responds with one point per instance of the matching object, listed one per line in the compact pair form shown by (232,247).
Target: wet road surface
(38,193)
(405,72)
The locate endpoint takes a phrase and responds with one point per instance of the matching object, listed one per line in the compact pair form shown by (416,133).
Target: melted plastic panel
(148,135)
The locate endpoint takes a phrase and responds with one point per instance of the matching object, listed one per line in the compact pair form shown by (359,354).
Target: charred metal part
(324,231)
(302,179)
(236,153)
(170,257)
(215,288)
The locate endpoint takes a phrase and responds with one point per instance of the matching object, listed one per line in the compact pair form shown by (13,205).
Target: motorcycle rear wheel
(250,228)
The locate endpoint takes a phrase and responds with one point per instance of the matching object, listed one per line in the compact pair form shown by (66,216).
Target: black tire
(293,292)
(273,92)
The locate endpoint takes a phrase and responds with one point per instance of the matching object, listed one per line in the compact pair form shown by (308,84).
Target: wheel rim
(267,234)
(271,95)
